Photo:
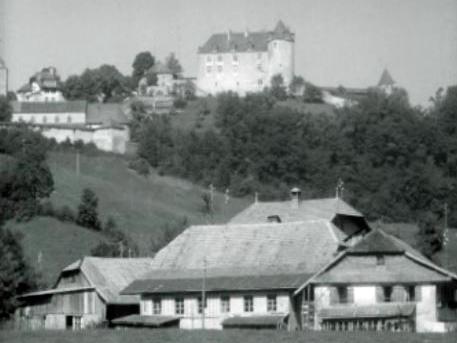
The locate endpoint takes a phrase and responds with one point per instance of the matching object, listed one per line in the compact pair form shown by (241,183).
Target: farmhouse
(104,125)
(313,264)
(85,294)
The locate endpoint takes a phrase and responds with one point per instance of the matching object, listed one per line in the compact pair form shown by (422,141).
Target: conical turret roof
(386,79)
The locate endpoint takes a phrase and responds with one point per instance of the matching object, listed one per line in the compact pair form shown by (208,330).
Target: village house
(245,62)
(85,294)
(104,125)
(44,86)
(245,274)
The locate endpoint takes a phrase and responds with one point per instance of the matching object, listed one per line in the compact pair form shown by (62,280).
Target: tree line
(398,162)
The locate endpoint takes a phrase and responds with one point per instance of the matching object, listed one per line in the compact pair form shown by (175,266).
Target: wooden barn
(85,294)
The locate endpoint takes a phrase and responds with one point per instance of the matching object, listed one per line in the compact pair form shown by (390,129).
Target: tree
(278,89)
(16,275)
(103,84)
(143,61)
(173,64)
(87,210)
(297,85)
(5,109)
(312,94)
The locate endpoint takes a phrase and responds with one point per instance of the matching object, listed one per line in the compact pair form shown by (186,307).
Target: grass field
(141,207)
(235,336)
(58,243)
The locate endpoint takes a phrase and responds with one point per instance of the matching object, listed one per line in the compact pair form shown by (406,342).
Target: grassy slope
(141,207)
(195,336)
(59,243)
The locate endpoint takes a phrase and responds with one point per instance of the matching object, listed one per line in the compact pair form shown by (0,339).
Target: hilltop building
(44,86)
(3,78)
(245,62)
(104,125)
(386,82)
(85,294)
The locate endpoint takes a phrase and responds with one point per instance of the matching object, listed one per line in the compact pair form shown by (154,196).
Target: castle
(245,61)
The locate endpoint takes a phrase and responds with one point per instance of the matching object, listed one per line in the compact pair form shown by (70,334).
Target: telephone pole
(203,293)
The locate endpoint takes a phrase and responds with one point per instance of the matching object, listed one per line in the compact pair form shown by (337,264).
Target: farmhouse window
(208,69)
(156,306)
(200,304)
(410,293)
(387,294)
(380,261)
(225,304)
(274,219)
(248,303)
(219,69)
(179,306)
(271,303)
(342,294)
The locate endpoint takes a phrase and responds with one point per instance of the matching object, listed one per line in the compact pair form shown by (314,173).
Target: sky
(337,42)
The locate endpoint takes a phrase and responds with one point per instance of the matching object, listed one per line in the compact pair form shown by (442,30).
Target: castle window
(56,119)
(235,59)
(380,261)
(274,219)
(219,69)
(225,304)
(271,303)
(219,58)
(69,119)
(156,306)
(44,120)
(275,44)
(209,59)
(208,69)
(248,303)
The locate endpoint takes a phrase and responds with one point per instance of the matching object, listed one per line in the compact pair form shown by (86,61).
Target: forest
(398,162)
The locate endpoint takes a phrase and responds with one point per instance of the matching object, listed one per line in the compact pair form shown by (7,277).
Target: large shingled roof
(325,209)
(253,249)
(110,275)
(245,41)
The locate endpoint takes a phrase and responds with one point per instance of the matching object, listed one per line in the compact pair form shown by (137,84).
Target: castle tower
(3,78)
(281,53)
(386,82)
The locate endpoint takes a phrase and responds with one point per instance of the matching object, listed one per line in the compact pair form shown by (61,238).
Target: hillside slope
(58,244)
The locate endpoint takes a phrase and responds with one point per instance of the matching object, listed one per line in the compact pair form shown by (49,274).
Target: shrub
(65,214)
(140,165)
(180,103)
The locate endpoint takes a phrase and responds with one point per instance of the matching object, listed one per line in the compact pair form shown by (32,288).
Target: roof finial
(339,189)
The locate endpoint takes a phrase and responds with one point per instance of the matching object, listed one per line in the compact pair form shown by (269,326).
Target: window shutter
(418,294)
(379,294)
(350,295)
(333,295)
(398,294)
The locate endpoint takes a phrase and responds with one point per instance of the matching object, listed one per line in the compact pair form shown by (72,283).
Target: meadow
(238,336)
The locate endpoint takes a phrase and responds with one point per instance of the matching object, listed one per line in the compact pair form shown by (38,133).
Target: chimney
(295,194)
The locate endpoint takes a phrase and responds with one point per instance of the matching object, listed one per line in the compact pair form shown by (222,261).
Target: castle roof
(386,79)
(245,41)
(76,106)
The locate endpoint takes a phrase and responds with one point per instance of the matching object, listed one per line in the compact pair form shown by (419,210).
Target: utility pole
(339,189)
(445,236)
(77,162)
(203,293)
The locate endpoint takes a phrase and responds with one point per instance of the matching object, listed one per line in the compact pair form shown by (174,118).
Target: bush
(65,214)
(180,103)
(47,209)
(140,165)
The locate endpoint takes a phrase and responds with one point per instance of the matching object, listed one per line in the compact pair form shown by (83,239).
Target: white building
(44,86)
(104,125)
(245,62)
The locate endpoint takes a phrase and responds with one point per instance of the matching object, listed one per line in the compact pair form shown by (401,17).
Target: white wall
(364,295)
(213,315)
(50,118)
